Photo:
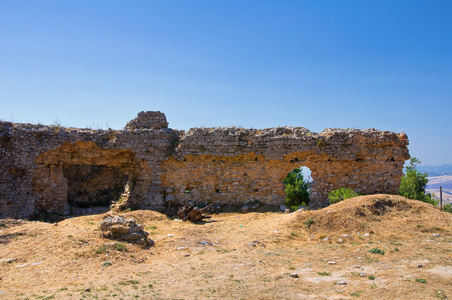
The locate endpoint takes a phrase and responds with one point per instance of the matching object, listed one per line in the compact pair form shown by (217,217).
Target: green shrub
(447,208)
(340,194)
(371,277)
(297,189)
(421,280)
(413,183)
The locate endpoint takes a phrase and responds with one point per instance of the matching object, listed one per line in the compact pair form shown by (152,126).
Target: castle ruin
(48,169)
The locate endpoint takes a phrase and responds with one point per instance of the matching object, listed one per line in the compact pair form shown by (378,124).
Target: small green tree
(340,194)
(447,208)
(413,183)
(297,189)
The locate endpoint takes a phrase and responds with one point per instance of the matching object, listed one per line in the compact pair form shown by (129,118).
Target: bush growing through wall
(340,194)
(297,189)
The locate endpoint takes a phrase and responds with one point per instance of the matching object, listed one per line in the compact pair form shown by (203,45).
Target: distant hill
(444,181)
(435,170)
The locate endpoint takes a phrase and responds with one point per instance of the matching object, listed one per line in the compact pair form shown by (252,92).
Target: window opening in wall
(97,186)
(297,185)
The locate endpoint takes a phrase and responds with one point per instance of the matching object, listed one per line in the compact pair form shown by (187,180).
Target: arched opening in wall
(91,185)
(297,185)
(81,175)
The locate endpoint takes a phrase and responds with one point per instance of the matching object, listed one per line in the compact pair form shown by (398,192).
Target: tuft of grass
(324,273)
(128,282)
(106,263)
(308,222)
(371,277)
(440,294)
(120,247)
(100,250)
(356,293)
(377,251)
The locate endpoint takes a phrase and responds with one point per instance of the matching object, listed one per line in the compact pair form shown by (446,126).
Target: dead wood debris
(191,213)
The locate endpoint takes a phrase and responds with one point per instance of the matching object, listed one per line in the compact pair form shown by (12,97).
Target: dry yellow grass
(252,257)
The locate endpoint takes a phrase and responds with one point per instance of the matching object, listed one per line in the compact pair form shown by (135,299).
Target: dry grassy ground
(239,256)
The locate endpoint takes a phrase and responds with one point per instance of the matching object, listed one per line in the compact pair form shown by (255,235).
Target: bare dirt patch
(238,256)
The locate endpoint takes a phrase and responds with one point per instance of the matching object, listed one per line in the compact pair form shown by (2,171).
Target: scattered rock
(341,283)
(170,235)
(357,266)
(206,243)
(365,234)
(181,248)
(11,260)
(326,239)
(255,244)
(294,275)
(21,266)
(420,266)
(55,224)
(436,234)
(287,211)
(331,262)
(245,208)
(283,208)
(340,241)
(362,275)
(126,230)
(87,289)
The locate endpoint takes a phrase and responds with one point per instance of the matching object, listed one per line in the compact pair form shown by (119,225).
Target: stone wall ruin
(47,169)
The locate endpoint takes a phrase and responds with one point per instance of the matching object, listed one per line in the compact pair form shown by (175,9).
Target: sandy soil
(322,254)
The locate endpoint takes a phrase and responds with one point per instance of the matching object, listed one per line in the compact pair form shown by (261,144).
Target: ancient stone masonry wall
(237,165)
(40,167)
(50,168)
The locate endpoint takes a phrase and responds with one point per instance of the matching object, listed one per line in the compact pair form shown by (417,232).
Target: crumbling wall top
(148,120)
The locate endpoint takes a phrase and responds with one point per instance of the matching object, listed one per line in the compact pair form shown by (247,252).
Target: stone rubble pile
(127,230)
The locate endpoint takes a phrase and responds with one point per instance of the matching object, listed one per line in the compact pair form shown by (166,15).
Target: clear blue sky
(315,64)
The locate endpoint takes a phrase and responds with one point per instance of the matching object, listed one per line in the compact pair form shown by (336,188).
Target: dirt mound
(374,213)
